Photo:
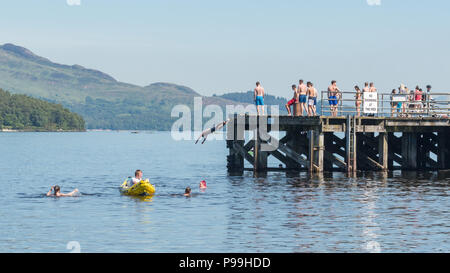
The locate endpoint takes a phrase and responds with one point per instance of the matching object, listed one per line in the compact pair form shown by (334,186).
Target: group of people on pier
(306,96)
(416,101)
(304,99)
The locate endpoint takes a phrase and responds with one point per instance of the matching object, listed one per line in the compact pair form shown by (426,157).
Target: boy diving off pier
(211,130)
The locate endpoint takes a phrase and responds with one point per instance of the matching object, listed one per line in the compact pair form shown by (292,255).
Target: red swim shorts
(291,102)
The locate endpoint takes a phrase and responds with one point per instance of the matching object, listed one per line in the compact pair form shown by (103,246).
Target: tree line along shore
(24,113)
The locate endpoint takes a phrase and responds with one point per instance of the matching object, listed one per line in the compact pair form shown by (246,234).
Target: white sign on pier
(370,100)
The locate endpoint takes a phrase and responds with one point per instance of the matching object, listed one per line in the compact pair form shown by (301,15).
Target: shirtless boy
(366,87)
(292,101)
(259,98)
(333,93)
(302,90)
(312,99)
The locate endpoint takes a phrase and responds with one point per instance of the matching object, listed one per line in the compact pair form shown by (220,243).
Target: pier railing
(387,105)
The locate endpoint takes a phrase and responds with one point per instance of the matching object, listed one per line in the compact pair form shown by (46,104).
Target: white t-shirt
(133,181)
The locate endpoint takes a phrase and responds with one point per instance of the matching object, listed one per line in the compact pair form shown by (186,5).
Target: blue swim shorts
(259,100)
(302,99)
(332,100)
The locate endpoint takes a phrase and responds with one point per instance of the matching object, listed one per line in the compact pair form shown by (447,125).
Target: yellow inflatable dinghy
(140,189)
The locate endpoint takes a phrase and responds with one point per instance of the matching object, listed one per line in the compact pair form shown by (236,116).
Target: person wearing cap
(202,184)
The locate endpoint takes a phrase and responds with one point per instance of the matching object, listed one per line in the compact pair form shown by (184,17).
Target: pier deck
(347,144)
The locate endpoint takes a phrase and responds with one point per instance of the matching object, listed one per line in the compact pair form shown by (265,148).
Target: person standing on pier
(418,99)
(358,101)
(393,103)
(333,94)
(372,87)
(426,98)
(366,87)
(404,91)
(302,90)
(259,98)
(312,99)
(293,101)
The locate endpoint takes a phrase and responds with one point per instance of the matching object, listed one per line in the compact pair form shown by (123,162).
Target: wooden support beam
(235,137)
(383,150)
(260,156)
(409,151)
(328,144)
(298,158)
(391,153)
(329,157)
(311,151)
(319,149)
(244,153)
(444,150)
(373,163)
(285,160)
(249,145)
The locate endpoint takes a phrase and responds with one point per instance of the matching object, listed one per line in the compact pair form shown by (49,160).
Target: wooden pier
(347,144)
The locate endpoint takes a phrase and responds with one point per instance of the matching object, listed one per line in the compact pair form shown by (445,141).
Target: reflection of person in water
(211,130)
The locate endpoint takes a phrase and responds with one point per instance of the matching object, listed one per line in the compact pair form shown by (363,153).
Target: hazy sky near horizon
(226,46)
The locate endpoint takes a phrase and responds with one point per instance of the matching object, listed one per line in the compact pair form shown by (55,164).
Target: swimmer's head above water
(203,184)
(187,191)
(56,189)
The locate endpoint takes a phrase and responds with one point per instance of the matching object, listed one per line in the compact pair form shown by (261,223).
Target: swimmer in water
(211,130)
(187,192)
(57,192)
(203,184)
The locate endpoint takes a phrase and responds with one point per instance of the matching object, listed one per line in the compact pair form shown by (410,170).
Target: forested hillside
(21,112)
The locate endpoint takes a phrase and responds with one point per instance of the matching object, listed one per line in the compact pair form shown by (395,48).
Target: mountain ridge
(104,102)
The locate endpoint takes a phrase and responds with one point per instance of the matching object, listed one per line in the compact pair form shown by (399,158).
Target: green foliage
(124,114)
(22,112)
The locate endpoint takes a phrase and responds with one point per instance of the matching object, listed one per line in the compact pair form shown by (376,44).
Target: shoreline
(39,130)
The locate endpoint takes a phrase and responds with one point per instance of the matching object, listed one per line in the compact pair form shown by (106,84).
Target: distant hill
(104,102)
(21,112)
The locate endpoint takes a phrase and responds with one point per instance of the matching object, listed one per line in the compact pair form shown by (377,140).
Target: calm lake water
(376,212)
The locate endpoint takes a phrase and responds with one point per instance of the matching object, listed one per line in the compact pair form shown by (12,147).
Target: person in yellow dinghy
(136,179)
(137,186)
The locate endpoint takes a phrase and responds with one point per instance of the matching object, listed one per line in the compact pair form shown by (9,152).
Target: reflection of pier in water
(313,143)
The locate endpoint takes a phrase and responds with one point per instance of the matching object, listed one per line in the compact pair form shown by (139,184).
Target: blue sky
(226,46)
